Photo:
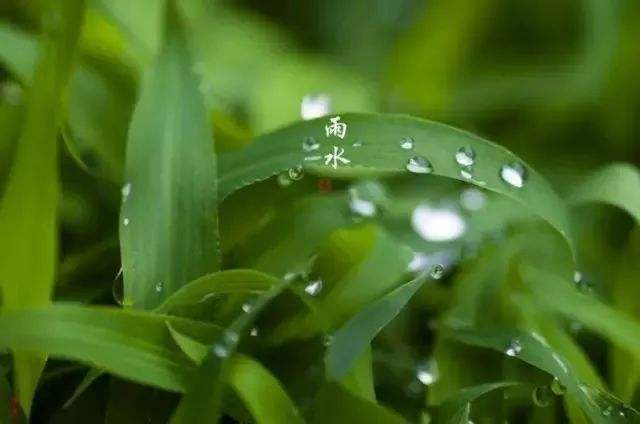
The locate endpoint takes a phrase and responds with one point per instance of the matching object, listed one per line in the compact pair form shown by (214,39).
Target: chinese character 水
(336,156)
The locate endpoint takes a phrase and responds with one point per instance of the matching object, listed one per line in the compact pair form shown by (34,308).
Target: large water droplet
(315,106)
(309,144)
(296,173)
(466,156)
(159,287)
(419,165)
(314,287)
(437,224)
(466,172)
(436,272)
(542,396)
(125,191)
(472,199)
(407,143)
(514,348)
(514,174)
(427,372)
(557,387)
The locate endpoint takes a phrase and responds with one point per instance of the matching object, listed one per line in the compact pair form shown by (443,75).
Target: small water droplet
(284,180)
(466,172)
(315,106)
(436,272)
(472,199)
(557,387)
(247,307)
(159,287)
(358,143)
(309,144)
(465,156)
(427,372)
(327,340)
(407,143)
(419,165)
(125,222)
(607,411)
(514,348)
(513,174)
(364,198)
(220,350)
(581,282)
(296,173)
(125,191)
(542,396)
(314,287)
(230,337)
(254,332)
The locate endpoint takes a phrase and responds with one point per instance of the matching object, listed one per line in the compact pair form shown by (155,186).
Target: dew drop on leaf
(159,287)
(465,156)
(513,174)
(247,307)
(254,332)
(125,191)
(407,143)
(220,350)
(436,272)
(427,372)
(419,165)
(466,172)
(514,348)
(358,143)
(309,144)
(557,387)
(125,222)
(296,173)
(542,396)
(314,287)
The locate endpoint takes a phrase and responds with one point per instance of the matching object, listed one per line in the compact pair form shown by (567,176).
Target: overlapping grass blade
(170,168)
(381,154)
(616,184)
(135,345)
(28,208)
(456,405)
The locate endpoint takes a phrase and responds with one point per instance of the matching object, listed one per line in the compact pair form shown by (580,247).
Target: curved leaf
(617,184)
(381,154)
(134,345)
(454,406)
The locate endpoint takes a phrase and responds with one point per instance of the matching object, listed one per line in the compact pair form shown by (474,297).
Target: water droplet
(514,348)
(364,198)
(437,224)
(125,222)
(309,144)
(284,180)
(542,396)
(220,350)
(247,307)
(582,283)
(466,156)
(472,199)
(436,272)
(557,387)
(427,372)
(513,174)
(407,143)
(327,340)
(126,191)
(419,165)
(254,332)
(159,287)
(315,106)
(358,143)
(296,173)
(314,287)
(230,337)
(607,411)
(466,172)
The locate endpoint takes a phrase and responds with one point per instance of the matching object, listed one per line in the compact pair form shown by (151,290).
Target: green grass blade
(453,406)
(28,208)
(381,154)
(352,339)
(135,345)
(231,281)
(171,169)
(617,184)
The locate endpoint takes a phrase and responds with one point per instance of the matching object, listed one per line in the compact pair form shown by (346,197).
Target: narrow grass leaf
(29,206)
(456,405)
(352,339)
(170,168)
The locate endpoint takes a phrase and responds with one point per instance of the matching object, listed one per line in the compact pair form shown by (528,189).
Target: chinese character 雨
(335,157)
(336,128)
